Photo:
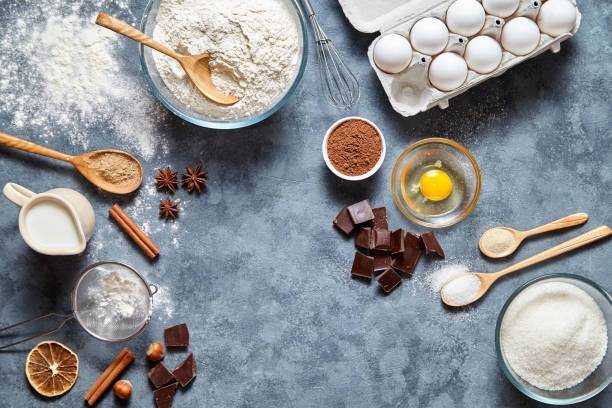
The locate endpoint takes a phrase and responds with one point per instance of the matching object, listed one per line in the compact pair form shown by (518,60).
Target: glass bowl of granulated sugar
(258,52)
(553,339)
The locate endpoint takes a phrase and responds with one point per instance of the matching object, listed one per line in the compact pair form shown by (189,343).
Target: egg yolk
(435,185)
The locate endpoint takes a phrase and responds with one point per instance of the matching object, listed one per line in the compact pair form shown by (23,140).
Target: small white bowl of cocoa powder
(354,148)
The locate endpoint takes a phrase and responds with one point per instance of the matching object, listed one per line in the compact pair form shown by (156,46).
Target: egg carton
(410,91)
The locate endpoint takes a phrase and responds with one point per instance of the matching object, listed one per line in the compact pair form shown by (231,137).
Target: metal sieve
(110,301)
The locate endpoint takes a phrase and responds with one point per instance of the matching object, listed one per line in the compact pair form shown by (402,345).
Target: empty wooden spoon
(196,66)
(86,164)
(463,289)
(502,241)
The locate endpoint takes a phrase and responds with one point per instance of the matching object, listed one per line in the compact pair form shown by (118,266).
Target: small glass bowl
(177,107)
(433,149)
(594,383)
(331,167)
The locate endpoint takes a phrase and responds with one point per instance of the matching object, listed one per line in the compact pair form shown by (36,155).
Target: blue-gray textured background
(254,266)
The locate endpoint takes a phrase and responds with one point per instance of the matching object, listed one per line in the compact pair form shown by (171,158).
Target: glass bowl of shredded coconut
(258,52)
(553,339)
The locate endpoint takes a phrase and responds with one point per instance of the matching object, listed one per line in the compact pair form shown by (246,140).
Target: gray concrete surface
(254,266)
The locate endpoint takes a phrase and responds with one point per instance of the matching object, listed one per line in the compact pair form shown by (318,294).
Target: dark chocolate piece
(363,238)
(177,336)
(406,261)
(397,241)
(388,280)
(160,375)
(380,218)
(382,260)
(343,221)
(382,239)
(361,212)
(186,371)
(164,396)
(431,244)
(362,265)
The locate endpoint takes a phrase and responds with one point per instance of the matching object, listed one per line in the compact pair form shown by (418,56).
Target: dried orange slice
(52,368)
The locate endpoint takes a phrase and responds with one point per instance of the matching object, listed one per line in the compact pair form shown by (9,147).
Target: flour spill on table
(163,304)
(63,77)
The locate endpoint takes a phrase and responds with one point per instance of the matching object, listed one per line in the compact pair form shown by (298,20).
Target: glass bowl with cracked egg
(169,99)
(436,182)
(597,380)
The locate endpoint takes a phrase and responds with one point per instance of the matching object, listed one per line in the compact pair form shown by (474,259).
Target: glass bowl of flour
(258,52)
(553,339)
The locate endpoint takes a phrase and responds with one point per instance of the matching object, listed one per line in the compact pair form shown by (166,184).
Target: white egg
(520,36)
(483,54)
(465,17)
(500,8)
(392,53)
(429,35)
(557,17)
(447,71)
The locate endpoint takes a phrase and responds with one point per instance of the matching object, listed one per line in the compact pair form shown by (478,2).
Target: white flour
(117,299)
(253,47)
(554,335)
(61,77)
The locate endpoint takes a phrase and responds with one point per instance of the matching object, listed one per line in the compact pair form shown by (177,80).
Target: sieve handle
(65,317)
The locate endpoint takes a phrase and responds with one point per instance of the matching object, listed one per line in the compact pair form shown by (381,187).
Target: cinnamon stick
(106,372)
(130,227)
(112,372)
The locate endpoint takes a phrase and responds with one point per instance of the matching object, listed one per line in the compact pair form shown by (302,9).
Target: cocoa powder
(354,147)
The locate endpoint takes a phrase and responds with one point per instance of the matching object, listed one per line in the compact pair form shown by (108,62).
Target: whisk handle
(65,317)
(308,8)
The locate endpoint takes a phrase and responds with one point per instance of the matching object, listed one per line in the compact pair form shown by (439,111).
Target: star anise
(166,179)
(168,208)
(194,178)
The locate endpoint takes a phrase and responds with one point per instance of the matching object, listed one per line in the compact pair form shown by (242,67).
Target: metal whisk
(339,83)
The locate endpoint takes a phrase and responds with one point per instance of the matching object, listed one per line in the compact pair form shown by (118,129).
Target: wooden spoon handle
(17,143)
(569,221)
(581,240)
(123,28)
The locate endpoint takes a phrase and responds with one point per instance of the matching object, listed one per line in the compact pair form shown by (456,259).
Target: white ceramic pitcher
(76,205)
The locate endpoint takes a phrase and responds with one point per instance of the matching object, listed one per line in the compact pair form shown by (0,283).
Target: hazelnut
(155,352)
(123,389)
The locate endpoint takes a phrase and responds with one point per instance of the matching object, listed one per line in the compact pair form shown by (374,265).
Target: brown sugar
(114,168)
(354,147)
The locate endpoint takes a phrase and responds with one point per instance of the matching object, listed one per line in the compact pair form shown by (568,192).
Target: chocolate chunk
(388,280)
(382,239)
(380,218)
(362,265)
(397,241)
(160,375)
(177,336)
(343,221)
(382,260)
(186,371)
(164,396)
(363,238)
(361,212)
(431,244)
(406,261)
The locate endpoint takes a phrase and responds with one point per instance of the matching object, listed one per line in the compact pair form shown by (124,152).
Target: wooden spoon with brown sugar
(112,170)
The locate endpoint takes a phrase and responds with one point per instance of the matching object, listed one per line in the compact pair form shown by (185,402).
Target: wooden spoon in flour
(112,170)
(196,66)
